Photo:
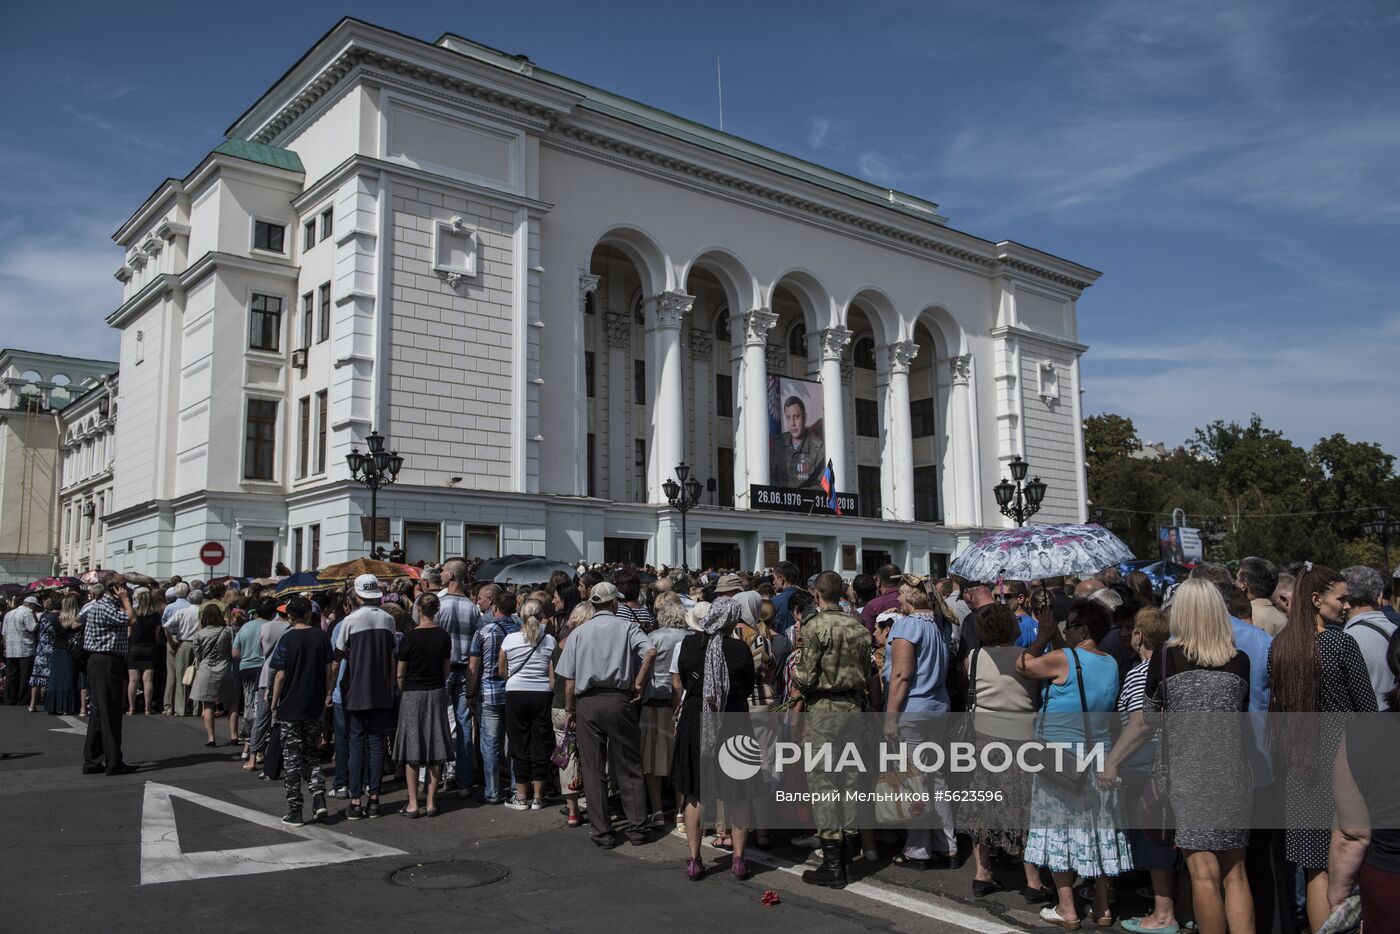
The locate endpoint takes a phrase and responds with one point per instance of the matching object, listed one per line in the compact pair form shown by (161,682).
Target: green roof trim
(274,156)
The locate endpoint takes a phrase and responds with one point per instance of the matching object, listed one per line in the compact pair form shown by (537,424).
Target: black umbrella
(488,569)
(533,571)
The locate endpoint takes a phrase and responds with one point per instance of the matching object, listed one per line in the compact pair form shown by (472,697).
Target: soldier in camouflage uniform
(832,678)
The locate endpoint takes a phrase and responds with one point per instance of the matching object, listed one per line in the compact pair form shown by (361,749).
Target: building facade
(547,297)
(87,452)
(35,390)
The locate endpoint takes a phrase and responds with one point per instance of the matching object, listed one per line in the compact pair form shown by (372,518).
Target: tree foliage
(1248,488)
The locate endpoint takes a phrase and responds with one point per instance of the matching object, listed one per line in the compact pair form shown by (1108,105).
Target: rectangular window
(268,236)
(307,308)
(260,441)
(298,540)
(308,235)
(267,323)
(304,436)
(639,471)
(326,223)
(322,413)
(725,469)
(592,464)
(867,418)
(869,492)
(314,560)
(588,372)
(483,541)
(921,418)
(926,494)
(639,382)
(724,395)
(323,301)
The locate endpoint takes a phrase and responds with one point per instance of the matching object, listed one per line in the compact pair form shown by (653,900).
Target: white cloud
(817,130)
(56,291)
(1307,382)
(874,167)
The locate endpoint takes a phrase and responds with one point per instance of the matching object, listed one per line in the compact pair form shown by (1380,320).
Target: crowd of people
(602,690)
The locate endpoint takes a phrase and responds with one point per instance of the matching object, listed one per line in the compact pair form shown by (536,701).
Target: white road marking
(895,898)
(75,726)
(162,860)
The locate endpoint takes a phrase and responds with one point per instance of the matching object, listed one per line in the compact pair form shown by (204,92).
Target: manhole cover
(458,874)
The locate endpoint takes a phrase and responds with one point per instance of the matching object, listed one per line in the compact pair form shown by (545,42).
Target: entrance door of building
(719,555)
(872,558)
(257,558)
(808,561)
(420,542)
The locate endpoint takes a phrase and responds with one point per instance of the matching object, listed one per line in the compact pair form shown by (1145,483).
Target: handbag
(188,677)
(76,650)
(1155,805)
(564,749)
(1070,779)
(966,730)
(901,797)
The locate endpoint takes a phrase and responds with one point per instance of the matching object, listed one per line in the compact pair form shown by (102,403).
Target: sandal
(1038,896)
(1134,925)
(431,812)
(723,841)
(908,862)
(1104,920)
(1051,915)
(411,815)
(981,888)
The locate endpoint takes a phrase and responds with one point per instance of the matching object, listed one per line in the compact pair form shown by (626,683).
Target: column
(960,442)
(617,330)
(833,346)
(901,439)
(753,403)
(668,420)
(702,352)
(587,284)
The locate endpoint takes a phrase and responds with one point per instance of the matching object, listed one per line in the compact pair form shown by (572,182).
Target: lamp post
(683,497)
(1383,529)
(376,469)
(1017,500)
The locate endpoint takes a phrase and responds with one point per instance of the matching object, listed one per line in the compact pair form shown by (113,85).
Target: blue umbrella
(302,581)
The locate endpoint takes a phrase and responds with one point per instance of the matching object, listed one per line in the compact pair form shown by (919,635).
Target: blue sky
(1233,168)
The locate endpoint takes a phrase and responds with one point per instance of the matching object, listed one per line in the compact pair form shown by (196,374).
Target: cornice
(215,260)
(133,306)
(1053,340)
(370,167)
(1062,272)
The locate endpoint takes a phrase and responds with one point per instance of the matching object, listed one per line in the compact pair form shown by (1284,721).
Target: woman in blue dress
(1074,830)
(43,654)
(64,693)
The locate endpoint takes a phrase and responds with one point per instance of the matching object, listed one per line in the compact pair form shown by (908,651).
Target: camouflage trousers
(834,721)
(301,760)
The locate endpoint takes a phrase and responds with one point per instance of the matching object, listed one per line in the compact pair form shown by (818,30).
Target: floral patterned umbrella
(1039,551)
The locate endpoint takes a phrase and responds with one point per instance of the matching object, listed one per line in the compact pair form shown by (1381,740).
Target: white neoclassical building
(86,452)
(546,296)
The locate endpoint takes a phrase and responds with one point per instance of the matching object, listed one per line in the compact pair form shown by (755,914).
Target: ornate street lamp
(1019,501)
(683,497)
(376,469)
(1383,529)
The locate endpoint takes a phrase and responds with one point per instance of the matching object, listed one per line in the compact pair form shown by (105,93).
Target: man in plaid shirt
(461,619)
(486,648)
(106,630)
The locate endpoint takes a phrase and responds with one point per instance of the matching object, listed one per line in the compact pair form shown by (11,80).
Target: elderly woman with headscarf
(712,673)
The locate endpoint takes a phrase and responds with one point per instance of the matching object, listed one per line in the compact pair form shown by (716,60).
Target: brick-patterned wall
(451,349)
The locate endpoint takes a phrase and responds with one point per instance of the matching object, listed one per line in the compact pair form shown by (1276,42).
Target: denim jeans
(493,735)
(366,736)
(341,722)
(461,709)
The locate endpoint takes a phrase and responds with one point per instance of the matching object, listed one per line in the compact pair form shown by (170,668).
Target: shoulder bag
(1069,778)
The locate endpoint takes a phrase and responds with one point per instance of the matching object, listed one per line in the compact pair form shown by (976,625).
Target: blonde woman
(63,695)
(526,664)
(570,784)
(1200,671)
(142,651)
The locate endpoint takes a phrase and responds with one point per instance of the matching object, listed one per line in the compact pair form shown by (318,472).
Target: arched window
(722,325)
(797,340)
(863,353)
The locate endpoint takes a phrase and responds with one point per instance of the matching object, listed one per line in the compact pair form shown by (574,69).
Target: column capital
(834,341)
(619,329)
(670,308)
(587,284)
(702,345)
(757,323)
(901,354)
(960,366)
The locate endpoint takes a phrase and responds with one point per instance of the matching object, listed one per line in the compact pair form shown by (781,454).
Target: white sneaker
(536,804)
(517,804)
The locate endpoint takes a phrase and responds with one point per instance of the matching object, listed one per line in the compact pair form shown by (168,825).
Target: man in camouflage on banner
(796,457)
(833,678)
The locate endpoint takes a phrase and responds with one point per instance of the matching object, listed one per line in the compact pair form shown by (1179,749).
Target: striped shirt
(461,619)
(1134,683)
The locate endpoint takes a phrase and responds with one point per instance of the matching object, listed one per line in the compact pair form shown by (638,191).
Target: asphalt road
(152,848)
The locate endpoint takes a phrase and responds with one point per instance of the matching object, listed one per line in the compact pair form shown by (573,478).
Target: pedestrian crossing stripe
(162,859)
